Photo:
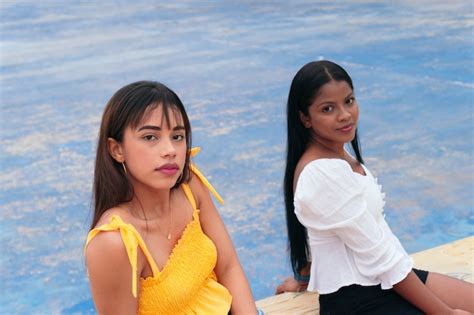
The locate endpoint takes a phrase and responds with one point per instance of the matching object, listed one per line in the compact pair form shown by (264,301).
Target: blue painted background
(232,64)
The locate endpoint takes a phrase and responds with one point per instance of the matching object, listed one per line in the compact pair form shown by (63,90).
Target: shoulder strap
(189,195)
(131,239)
(203,179)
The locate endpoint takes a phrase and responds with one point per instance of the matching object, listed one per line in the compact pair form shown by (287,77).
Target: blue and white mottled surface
(232,63)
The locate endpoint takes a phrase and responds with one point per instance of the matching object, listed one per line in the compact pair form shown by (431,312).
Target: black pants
(356,299)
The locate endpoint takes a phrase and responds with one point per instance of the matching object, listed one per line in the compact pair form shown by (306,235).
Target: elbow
(396,274)
(226,267)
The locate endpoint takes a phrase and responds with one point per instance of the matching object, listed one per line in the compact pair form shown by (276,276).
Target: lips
(168,168)
(346,128)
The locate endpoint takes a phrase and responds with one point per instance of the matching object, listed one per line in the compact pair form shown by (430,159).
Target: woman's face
(333,115)
(155,152)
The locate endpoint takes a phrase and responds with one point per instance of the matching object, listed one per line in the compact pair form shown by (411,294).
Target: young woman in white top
(340,243)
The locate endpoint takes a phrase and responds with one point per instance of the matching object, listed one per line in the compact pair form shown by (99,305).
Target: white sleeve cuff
(399,272)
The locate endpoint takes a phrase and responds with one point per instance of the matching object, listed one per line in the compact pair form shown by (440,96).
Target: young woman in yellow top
(154,219)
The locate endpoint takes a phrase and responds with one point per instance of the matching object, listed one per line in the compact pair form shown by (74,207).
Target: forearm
(233,278)
(413,290)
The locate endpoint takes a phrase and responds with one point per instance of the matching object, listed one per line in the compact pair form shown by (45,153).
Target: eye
(327,109)
(350,100)
(150,137)
(179,137)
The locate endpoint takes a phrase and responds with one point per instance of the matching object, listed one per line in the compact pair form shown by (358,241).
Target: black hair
(304,88)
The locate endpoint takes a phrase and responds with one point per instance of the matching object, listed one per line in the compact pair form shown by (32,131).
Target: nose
(168,149)
(344,114)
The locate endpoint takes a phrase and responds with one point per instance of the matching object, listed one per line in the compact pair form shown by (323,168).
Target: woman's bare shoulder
(107,243)
(115,211)
(109,269)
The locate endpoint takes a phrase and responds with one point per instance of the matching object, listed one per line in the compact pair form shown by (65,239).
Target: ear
(115,150)
(305,120)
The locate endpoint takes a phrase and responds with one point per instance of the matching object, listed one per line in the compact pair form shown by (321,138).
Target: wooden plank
(290,303)
(455,259)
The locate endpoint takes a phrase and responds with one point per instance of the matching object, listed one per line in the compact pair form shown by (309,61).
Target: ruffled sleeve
(329,197)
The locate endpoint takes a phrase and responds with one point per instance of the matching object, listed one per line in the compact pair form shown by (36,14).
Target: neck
(334,148)
(153,204)
(150,203)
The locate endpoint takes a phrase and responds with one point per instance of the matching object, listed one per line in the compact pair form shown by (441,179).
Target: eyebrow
(158,128)
(331,102)
(350,94)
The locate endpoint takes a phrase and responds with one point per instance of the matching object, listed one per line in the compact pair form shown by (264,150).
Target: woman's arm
(228,269)
(110,275)
(417,293)
(344,212)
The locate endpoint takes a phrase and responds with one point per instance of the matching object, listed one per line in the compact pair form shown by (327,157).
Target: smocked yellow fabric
(187,283)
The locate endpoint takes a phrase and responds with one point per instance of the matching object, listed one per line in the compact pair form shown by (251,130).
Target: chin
(164,184)
(351,137)
(345,139)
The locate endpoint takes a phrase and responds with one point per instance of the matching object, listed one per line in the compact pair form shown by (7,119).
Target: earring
(124,168)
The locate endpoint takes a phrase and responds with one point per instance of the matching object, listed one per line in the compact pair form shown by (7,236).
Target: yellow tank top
(187,283)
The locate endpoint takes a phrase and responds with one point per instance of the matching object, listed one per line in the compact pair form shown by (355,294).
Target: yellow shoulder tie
(131,239)
(198,173)
(189,195)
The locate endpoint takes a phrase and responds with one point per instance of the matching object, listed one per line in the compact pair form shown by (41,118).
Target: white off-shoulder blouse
(349,239)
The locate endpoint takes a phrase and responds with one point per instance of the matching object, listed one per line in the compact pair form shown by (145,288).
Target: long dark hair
(304,88)
(127,107)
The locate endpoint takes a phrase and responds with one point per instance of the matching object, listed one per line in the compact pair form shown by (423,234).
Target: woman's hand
(291,285)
